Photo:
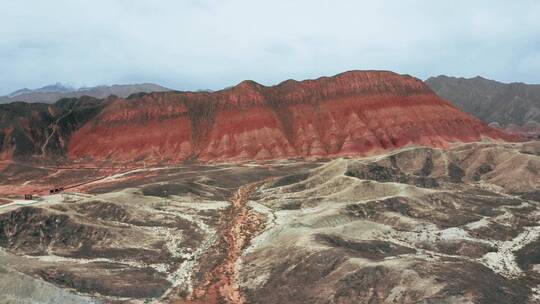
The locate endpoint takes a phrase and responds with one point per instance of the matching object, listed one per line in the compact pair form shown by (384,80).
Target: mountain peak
(19,92)
(490,100)
(56,87)
(248,85)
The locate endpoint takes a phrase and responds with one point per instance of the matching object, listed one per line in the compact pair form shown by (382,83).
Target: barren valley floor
(417,225)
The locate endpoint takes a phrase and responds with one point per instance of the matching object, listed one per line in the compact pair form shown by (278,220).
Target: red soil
(241,225)
(354,113)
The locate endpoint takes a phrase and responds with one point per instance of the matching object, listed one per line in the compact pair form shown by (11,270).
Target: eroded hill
(514,107)
(354,113)
(418,225)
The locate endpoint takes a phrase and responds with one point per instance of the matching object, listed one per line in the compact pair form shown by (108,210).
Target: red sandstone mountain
(353,113)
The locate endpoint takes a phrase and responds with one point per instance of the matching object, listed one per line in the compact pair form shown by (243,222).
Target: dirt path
(240,224)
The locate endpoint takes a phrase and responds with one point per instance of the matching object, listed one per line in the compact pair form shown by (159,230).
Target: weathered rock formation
(353,113)
(514,107)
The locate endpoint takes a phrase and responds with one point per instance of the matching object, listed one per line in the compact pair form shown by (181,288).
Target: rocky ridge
(353,113)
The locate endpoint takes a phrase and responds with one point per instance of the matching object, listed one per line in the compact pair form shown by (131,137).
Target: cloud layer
(211,44)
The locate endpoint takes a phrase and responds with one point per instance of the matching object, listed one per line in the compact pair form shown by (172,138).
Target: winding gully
(240,225)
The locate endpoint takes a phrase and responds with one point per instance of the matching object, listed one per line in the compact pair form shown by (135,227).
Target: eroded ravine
(240,224)
(54,127)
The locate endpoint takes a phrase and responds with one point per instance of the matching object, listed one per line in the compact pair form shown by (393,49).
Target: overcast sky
(211,44)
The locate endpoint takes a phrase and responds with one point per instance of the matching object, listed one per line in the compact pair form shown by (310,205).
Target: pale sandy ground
(323,196)
(327,190)
(180,277)
(17,288)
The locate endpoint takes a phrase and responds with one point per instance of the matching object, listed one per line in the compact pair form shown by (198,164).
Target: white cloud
(213,44)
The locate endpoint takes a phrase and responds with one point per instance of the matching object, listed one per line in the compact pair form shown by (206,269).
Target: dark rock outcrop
(514,107)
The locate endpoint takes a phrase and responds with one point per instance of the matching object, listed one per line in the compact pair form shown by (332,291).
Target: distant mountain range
(514,107)
(54,92)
